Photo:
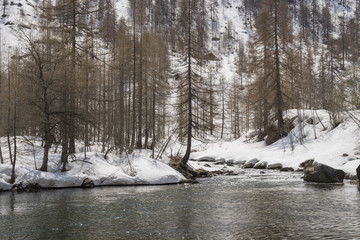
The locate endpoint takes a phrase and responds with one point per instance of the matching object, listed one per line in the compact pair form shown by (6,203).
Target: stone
(250,163)
(207,165)
(345,155)
(287,169)
(18,188)
(261,165)
(206,159)
(33,187)
(321,173)
(220,160)
(87,183)
(310,121)
(275,166)
(239,162)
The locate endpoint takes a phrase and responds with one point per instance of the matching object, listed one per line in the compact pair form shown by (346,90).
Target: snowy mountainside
(225,16)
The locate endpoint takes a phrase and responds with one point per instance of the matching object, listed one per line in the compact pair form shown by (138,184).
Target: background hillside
(134,74)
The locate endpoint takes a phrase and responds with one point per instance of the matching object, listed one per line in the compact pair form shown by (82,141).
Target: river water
(252,205)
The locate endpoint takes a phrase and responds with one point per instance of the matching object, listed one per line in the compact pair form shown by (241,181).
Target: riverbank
(313,137)
(135,169)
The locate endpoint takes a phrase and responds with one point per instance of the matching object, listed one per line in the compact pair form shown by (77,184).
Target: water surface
(252,205)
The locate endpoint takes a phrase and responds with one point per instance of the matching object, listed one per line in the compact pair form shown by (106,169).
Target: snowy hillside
(339,147)
(177,77)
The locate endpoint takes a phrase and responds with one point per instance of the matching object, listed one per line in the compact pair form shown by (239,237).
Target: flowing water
(252,205)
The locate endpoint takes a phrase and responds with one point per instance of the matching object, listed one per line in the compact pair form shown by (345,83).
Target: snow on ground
(137,168)
(338,147)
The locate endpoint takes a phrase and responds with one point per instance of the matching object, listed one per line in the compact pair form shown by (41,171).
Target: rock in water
(321,173)
(87,183)
(261,165)
(250,163)
(275,166)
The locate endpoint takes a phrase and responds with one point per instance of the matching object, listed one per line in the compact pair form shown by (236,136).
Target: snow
(134,169)
(338,147)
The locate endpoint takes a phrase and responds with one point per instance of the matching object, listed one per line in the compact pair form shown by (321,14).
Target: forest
(82,74)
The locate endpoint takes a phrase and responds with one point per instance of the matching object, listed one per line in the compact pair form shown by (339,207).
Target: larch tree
(191,32)
(272,37)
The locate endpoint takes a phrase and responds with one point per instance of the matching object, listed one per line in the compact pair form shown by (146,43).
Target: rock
(262,172)
(345,155)
(261,165)
(239,162)
(354,182)
(250,163)
(18,188)
(287,169)
(220,160)
(33,187)
(207,165)
(224,172)
(356,153)
(87,183)
(353,177)
(229,164)
(310,121)
(275,166)
(321,173)
(230,161)
(219,163)
(206,159)
(201,173)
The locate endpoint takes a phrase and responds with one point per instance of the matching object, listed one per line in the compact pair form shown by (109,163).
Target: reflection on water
(250,206)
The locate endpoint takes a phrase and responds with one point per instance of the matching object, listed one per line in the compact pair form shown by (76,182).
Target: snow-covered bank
(135,169)
(338,147)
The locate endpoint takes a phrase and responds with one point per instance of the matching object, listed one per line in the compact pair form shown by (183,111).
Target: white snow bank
(326,146)
(134,169)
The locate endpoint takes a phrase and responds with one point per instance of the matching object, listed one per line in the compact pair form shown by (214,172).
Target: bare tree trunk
(8,116)
(12,179)
(279,100)
(132,144)
(189,97)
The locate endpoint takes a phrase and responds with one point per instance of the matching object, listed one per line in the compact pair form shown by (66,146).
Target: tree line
(83,75)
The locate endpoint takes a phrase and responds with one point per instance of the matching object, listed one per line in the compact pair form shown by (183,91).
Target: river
(252,205)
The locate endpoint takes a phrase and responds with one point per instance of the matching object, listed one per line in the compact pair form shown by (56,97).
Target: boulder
(261,165)
(87,183)
(275,166)
(250,163)
(321,173)
(206,159)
